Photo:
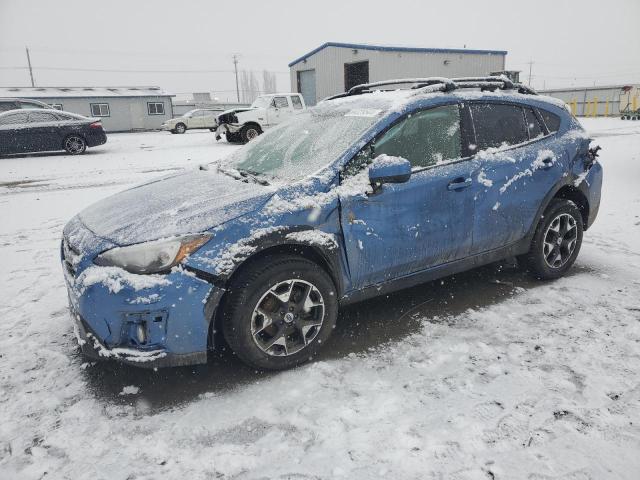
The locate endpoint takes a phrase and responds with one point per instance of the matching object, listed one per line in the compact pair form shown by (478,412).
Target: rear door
(404,228)
(208,118)
(44,132)
(517,167)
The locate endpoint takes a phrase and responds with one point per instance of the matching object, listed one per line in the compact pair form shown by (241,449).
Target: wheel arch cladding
(570,192)
(327,259)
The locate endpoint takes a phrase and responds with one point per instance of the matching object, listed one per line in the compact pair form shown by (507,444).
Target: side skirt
(434,273)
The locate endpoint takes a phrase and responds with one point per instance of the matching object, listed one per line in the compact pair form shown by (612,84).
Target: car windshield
(190,113)
(304,144)
(261,102)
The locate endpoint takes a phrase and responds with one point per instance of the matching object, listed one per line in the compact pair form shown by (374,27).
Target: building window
(155,108)
(57,106)
(100,110)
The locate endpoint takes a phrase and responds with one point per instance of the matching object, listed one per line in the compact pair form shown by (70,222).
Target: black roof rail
(442,84)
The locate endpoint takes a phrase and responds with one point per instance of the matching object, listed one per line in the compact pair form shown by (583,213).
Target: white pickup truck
(245,124)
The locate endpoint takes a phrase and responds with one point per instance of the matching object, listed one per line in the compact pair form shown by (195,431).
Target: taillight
(95,125)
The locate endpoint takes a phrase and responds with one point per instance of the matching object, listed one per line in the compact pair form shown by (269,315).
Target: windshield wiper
(255,176)
(243,175)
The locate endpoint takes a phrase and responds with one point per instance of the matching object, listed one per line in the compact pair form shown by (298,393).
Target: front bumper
(167,127)
(163,321)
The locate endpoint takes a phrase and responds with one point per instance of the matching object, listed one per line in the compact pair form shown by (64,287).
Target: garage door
(307,86)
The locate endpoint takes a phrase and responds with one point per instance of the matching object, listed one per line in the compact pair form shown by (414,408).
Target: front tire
(280,312)
(74,144)
(181,128)
(233,137)
(249,132)
(557,240)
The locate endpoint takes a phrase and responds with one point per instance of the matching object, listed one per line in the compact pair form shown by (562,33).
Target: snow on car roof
(82,92)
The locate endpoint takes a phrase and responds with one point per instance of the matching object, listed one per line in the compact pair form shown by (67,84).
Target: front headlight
(152,257)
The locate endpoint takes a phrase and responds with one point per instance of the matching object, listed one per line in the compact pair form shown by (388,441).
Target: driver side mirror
(388,169)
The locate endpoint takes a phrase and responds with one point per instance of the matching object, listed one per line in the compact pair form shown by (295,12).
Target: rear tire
(279,312)
(74,144)
(556,242)
(180,128)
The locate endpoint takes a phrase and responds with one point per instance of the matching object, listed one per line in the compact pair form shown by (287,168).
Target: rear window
(551,120)
(533,124)
(498,125)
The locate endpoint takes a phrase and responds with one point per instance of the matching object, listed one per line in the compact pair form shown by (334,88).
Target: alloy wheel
(287,317)
(251,134)
(560,240)
(74,145)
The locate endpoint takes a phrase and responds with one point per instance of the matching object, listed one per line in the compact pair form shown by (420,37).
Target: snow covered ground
(485,375)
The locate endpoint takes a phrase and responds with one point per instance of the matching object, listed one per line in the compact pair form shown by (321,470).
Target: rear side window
(424,138)
(297,103)
(535,129)
(551,120)
(39,117)
(498,125)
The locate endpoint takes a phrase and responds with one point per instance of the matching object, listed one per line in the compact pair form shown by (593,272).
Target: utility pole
(530,67)
(235,67)
(33,84)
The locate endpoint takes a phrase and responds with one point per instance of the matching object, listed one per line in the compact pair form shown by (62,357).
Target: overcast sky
(187,46)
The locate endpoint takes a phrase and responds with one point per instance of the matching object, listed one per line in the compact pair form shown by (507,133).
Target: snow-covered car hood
(189,202)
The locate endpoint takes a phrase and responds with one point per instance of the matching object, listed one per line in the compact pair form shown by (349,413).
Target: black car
(43,130)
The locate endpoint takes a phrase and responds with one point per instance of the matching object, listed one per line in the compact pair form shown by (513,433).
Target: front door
(13,133)
(43,132)
(279,110)
(403,228)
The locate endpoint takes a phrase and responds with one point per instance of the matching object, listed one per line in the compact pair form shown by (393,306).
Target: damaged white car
(241,125)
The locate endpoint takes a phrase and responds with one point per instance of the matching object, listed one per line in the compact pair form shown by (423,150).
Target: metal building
(121,109)
(335,67)
(597,101)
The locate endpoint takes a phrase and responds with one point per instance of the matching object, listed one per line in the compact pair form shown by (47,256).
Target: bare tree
(269,82)
(249,86)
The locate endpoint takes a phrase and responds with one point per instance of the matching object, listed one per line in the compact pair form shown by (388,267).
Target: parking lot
(488,374)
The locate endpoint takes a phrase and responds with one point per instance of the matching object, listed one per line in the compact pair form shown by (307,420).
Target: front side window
(6,106)
(296,102)
(15,119)
(57,106)
(498,125)
(551,120)
(155,108)
(41,117)
(100,110)
(424,138)
(280,102)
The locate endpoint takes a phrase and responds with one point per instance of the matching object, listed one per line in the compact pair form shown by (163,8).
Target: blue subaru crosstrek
(369,192)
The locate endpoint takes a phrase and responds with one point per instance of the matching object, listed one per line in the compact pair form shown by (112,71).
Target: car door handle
(547,162)
(459,183)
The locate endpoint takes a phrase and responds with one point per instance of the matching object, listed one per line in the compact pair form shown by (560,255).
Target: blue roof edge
(395,49)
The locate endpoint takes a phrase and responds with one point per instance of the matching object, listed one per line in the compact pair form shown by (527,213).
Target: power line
(115,70)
